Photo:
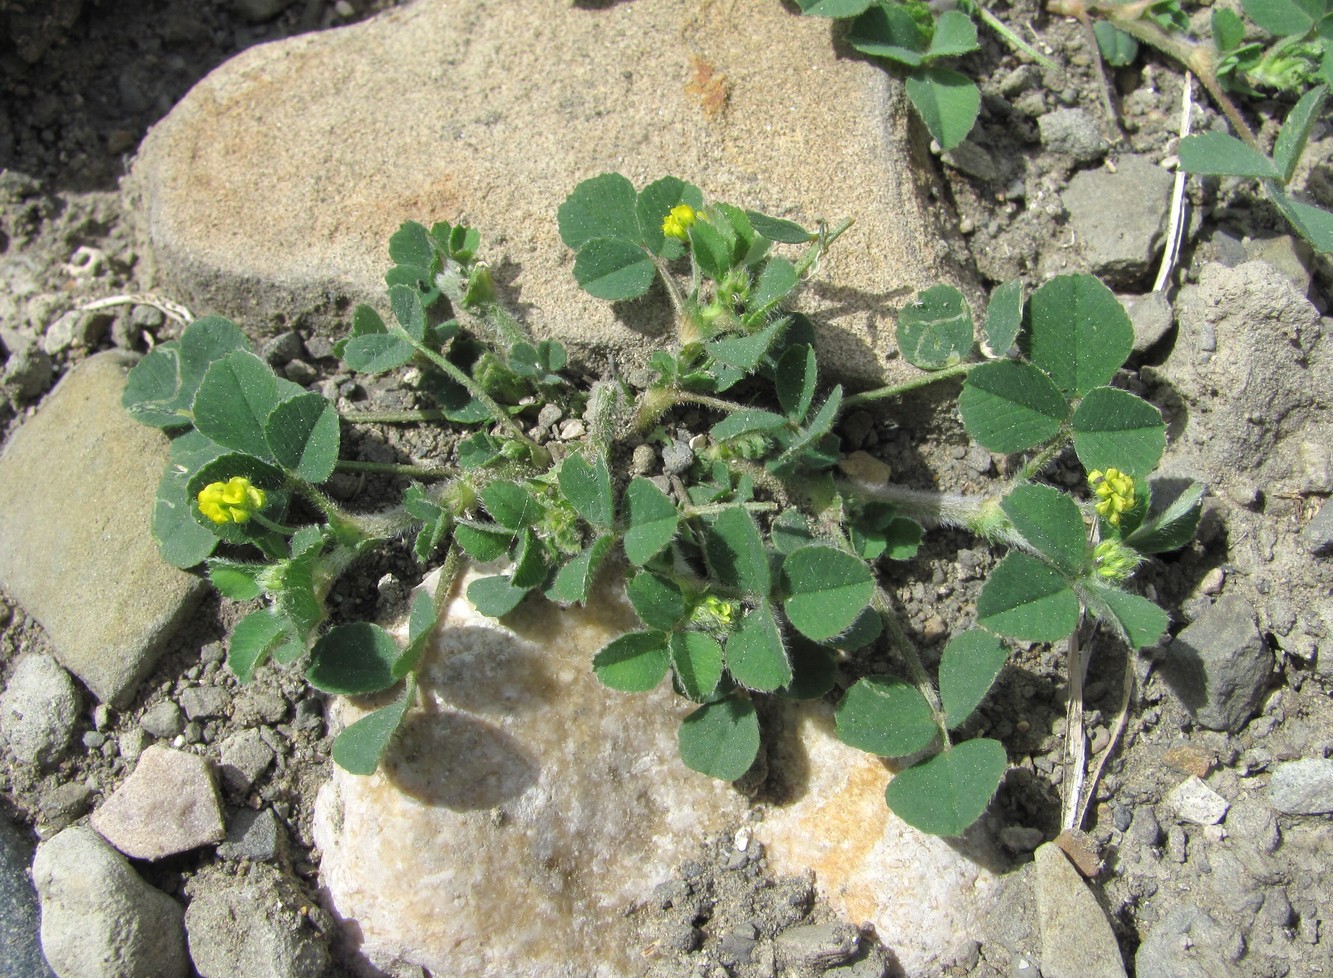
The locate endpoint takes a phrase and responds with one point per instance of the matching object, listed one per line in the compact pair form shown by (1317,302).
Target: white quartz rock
(522,810)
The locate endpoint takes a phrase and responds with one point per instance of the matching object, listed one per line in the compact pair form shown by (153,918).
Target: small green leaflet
(633,663)
(359,748)
(651,519)
(720,739)
(945,794)
(887,717)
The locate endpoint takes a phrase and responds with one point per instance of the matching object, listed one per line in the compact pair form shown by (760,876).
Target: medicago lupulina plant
(754,567)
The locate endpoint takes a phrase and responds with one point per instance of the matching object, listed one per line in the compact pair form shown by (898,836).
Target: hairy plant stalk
(394,468)
(906,651)
(896,390)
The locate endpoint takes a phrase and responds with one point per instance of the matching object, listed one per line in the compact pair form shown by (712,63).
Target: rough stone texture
(39,709)
(22,955)
(1119,218)
(1076,938)
(1317,535)
(1219,666)
(76,549)
(923,893)
(244,758)
(274,185)
(1195,802)
(169,804)
(253,926)
(1074,133)
(1302,787)
(99,919)
(1188,943)
(525,796)
(252,835)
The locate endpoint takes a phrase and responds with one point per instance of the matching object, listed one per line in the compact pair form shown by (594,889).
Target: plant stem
(896,390)
(1007,33)
(539,454)
(393,468)
(394,417)
(1043,458)
(818,247)
(712,509)
(906,651)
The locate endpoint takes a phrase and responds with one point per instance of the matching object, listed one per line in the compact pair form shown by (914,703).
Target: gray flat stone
(1302,787)
(1188,943)
(168,804)
(1119,218)
(1195,802)
(1076,938)
(77,483)
(1219,666)
(273,186)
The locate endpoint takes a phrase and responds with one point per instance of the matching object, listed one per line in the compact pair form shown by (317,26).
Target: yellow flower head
(233,501)
(677,223)
(1114,561)
(1115,493)
(714,612)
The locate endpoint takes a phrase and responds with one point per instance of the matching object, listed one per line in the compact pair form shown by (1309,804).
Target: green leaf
(935,331)
(657,601)
(614,269)
(587,486)
(601,207)
(697,659)
(1220,155)
(777,278)
(377,353)
(236,580)
(160,389)
(745,352)
(736,552)
(1051,522)
(890,32)
(411,245)
(512,506)
(253,638)
(1135,619)
(234,401)
(654,204)
(778,229)
(634,662)
(181,539)
(1284,17)
(795,378)
(478,451)
(885,716)
(483,542)
(530,566)
(955,34)
(574,580)
(968,668)
(756,654)
(1078,333)
(1010,407)
(712,249)
(1117,429)
(651,521)
(1117,48)
(834,8)
(358,749)
(1228,29)
(947,101)
(353,659)
(303,435)
(827,590)
(810,437)
(1172,526)
(745,422)
(495,596)
(422,618)
(720,739)
(405,301)
(1295,132)
(1026,599)
(814,670)
(1004,318)
(1314,223)
(945,794)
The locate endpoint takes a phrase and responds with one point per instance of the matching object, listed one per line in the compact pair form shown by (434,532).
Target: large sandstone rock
(272,188)
(525,808)
(77,484)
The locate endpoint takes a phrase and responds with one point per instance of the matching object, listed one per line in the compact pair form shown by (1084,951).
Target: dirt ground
(82,80)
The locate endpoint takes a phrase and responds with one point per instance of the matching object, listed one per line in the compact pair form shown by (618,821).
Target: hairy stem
(906,651)
(907,386)
(393,468)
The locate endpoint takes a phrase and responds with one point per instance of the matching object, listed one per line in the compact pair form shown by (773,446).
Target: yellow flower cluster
(677,223)
(233,501)
(1115,493)
(1114,561)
